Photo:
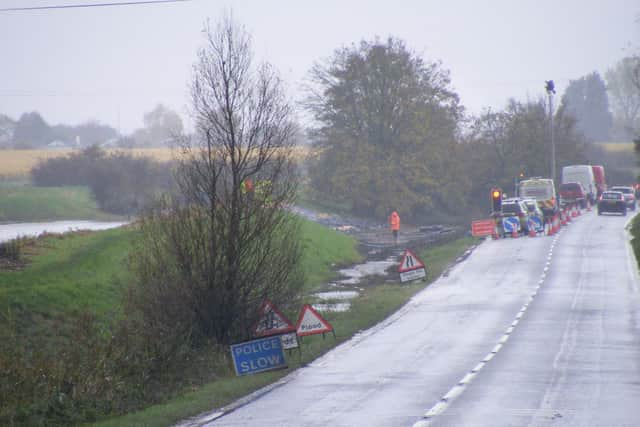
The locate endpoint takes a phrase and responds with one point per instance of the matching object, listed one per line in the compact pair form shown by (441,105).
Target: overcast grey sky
(113,64)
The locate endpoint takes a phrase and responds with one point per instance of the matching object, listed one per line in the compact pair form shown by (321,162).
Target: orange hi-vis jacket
(394,221)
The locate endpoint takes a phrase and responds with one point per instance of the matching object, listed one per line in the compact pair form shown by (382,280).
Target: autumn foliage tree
(386,131)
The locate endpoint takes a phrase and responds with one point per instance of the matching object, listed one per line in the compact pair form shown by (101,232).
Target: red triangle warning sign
(272,322)
(310,322)
(409,261)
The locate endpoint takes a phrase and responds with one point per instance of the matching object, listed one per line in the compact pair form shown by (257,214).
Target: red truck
(598,175)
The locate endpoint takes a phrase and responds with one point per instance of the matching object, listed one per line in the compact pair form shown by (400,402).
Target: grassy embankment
(24,203)
(84,270)
(374,304)
(74,271)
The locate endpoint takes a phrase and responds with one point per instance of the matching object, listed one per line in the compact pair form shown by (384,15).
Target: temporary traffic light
(496,199)
(550,86)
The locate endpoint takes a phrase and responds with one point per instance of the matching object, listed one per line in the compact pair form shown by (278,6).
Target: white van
(584,175)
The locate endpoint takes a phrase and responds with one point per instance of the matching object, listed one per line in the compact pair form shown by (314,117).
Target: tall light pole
(551,90)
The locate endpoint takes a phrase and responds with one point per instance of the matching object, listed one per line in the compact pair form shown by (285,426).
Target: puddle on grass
(339,295)
(353,276)
(335,307)
(371,268)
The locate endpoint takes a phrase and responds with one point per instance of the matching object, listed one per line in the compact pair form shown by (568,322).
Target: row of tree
(392,135)
(606,110)
(161,127)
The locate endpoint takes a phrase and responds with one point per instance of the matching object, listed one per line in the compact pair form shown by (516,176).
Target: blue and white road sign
(260,355)
(511,224)
(535,223)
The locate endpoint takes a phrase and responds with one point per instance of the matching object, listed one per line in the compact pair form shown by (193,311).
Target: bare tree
(226,241)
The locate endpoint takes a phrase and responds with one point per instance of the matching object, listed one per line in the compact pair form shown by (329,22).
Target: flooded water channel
(33,229)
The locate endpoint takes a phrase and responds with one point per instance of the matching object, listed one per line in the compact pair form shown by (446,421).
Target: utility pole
(550,88)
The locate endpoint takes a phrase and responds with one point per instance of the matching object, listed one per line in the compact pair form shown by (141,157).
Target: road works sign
(310,322)
(259,355)
(483,227)
(272,322)
(411,267)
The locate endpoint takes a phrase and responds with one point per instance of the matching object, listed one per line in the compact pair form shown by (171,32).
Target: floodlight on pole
(551,90)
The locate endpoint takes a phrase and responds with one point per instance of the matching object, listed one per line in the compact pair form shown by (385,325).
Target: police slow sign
(259,355)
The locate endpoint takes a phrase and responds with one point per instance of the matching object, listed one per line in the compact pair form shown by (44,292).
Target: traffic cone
(550,227)
(514,234)
(532,232)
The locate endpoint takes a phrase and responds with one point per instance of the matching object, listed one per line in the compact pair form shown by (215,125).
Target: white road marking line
(478,367)
(467,378)
(488,357)
(457,389)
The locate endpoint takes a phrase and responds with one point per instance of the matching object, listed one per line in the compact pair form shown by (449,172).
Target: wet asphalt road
(574,360)
(528,331)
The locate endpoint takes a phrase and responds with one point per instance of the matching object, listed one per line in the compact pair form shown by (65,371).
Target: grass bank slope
(373,305)
(69,272)
(74,271)
(325,249)
(24,203)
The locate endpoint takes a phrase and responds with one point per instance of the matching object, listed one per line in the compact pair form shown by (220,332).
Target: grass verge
(84,270)
(25,203)
(635,237)
(374,304)
(68,272)
(323,250)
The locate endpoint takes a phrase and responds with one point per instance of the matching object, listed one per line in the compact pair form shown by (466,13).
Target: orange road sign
(483,227)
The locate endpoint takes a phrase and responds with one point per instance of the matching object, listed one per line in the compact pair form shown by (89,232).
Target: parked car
(515,207)
(612,201)
(573,193)
(629,195)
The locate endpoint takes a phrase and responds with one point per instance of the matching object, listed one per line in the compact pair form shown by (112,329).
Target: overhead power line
(85,5)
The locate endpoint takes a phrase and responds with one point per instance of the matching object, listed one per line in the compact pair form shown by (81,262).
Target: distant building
(57,144)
